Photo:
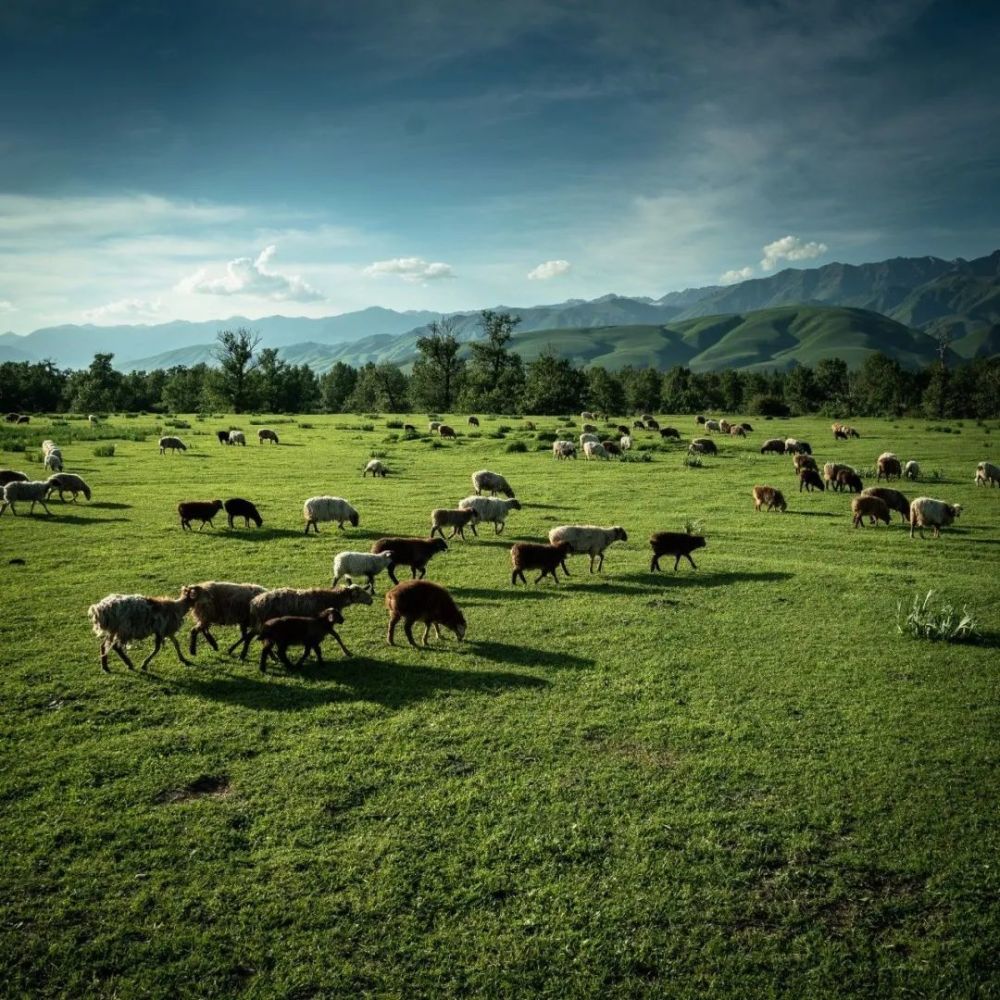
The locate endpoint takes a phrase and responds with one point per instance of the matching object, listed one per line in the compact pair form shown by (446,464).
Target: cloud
(735,276)
(252,277)
(123,309)
(550,269)
(6,306)
(790,248)
(412,269)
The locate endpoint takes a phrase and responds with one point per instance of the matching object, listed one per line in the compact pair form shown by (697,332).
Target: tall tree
(495,377)
(604,391)
(99,387)
(235,353)
(437,373)
(337,386)
(554,385)
(380,386)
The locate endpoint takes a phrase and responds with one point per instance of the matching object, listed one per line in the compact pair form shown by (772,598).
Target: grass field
(738,781)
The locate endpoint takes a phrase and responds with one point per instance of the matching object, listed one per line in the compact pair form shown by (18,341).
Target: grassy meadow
(738,781)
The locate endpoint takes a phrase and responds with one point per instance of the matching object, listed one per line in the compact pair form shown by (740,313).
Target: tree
(882,386)
(731,385)
(184,389)
(801,390)
(642,392)
(604,391)
(233,380)
(553,385)
(437,373)
(337,386)
(495,377)
(833,384)
(99,387)
(380,387)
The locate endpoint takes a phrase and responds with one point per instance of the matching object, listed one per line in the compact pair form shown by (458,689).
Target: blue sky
(167,160)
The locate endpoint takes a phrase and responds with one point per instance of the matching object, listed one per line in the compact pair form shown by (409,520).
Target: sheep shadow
(107,505)
(239,533)
(504,592)
(697,578)
(58,517)
(527,656)
(815,513)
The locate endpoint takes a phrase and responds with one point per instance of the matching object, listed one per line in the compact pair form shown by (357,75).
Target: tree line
(486,376)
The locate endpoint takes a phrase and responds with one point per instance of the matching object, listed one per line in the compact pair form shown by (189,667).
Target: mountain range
(797,316)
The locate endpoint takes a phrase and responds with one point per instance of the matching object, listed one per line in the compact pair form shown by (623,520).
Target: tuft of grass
(377,453)
(104,451)
(943,623)
(394,425)
(515,446)
(692,462)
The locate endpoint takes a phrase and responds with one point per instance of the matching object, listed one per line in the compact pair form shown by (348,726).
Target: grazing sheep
(851,432)
(612,447)
(888,466)
(563,449)
(484,480)
(422,601)
(198,510)
(800,462)
(700,420)
(594,449)
(725,426)
(713,426)
(809,480)
(928,513)
(366,564)
(893,499)
(220,602)
(776,445)
(589,428)
(93,419)
(317,509)
(532,555)
(987,474)
(736,430)
(839,435)
(409,429)
(747,427)
(223,436)
(473,421)
(377,468)
(457,520)
(170,443)
(848,479)
(802,447)
(446,432)
(625,443)
(278,634)
(830,472)
(54,461)
(702,446)
(121,619)
(587,415)
(12,418)
(490,509)
(911,470)
(413,552)
(768,496)
(670,432)
(66,482)
(645,416)
(237,437)
(679,544)
(266,434)
(588,539)
(19,491)
(638,425)
(238,507)
(433,426)
(651,424)
(623,428)
(10,476)
(874,508)
(584,438)
(24,419)
(48,445)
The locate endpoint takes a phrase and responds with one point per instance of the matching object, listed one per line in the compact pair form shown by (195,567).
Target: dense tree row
(485,376)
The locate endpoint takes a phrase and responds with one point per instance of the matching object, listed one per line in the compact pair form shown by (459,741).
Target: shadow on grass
(239,533)
(544,589)
(526,656)
(359,678)
(699,578)
(105,505)
(58,517)
(816,513)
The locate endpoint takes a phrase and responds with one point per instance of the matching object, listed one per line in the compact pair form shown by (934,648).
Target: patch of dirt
(214,786)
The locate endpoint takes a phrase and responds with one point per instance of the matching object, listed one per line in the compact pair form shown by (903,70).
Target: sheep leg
(4,505)
(497,527)
(423,572)
(393,622)
(437,630)
(371,583)
(390,570)
(564,568)
(283,656)
(209,638)
(340,642)
(158,642)
(472,524)
(515,574)
(545,572)
(265,649)
(687,555)
(104,657)
(244,637)
(180,654)
(591,562)
(123,656)
(600,562)
(336,578)
(427,632)
(408,629)
(654,564)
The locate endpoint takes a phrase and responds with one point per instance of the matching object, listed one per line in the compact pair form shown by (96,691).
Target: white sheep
(120,619)
(491,509)
(713,425)
(589,428)
(987,474)
(317,509)
(433,426)
(492,481)
(93,420)
(584,438)
(587,415)
(367,564)
(377,468)
(563,449)
(219,602)
(47,446)
(926,512)
(238,437)
(588,539)
(18,492)
(171,443)
(66,482)
(626,442)
(54,460)
(911,470)
(594,449)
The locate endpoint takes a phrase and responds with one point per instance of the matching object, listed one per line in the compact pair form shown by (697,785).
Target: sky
(168,160)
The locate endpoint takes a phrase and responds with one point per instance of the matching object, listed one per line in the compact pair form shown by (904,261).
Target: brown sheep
(747,427)
(612,447)
(413,552)
(702,446)
(458,520)
(800,462)
(679,544)
(473,421)
(874,508)
(768,496)
(10,476)
(669,432)
(848,479)
(277,634)
(623,428)
(736,430)
(889,466)
(422,601)
(776,445)
(830,472)
(198,510)
(446,432)
(651,424)
(893,499)
(532,555)
(809,480)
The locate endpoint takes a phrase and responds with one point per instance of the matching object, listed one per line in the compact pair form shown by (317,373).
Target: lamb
(563,449)
(594,449)
(198,510)
(237,437)
(800,462)
(433,426)
(317,509)
(702,446)
(457,520)
(776,445)
(670,432)
(679,544)
(23,492)
(377,468)
(928,513)
(736,430)
(987,474)
(713,426)
(532,555)
(54,460)
(893,499)
(888,466)
(485,480)
(413,552)
(911,470)
(446,432)
(588,539)
(220,602)
(66,482)
(874,508)
(625,442)
(238,507)
(490,509)
(422,601)
(223,436)
(848,479)
(584,438)
(473,421)
(266,434)
(830,472)
(768,496)
(612,447)
(170,443)
(278,634)
(364,564)
(121,619)
(809,480)
(793,445)
(10,476)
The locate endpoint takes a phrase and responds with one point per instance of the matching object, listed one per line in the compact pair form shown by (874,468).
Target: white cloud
(6,306)
(252,277)
(413,269)
(732,277)
(790,248)
(550,269)
(123,309)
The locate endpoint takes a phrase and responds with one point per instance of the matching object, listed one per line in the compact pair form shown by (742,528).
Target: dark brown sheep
(473,421)
(651,424)
(776,445)
(623,428)
(533,555)
(277,634)
(446,432)
(747,427)
(198,510)
(238,507)
(889,466)
(679,544)
(422,601)
(848,479)
(893,499)
(223,437)
(670,432)
(10,476)
(809,480)
(874,508)
(769,497)
(800,462)
(413,552)
(612,447)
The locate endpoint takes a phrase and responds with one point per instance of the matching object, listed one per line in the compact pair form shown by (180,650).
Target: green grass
(739,781)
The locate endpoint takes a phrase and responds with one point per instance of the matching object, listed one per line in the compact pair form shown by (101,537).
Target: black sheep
(238,507)
(674,543)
